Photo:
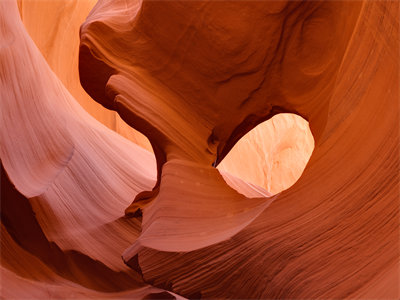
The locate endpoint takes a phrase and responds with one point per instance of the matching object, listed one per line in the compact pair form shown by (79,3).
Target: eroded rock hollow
(195,77)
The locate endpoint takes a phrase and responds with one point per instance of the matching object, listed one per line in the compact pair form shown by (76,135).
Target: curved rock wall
(226,70)
(195,77)
(54,27)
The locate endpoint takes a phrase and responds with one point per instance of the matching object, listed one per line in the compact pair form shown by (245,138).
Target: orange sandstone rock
(195,77)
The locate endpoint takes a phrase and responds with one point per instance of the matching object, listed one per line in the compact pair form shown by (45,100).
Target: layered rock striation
(194,77)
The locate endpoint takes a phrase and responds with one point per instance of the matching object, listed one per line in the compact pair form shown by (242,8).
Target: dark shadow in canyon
(20,221)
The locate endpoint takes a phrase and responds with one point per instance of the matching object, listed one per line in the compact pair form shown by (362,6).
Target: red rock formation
(54,27)
(79,176)
(194,87)
(217,75)
(54,24)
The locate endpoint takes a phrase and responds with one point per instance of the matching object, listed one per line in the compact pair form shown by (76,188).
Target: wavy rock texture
(217,70)
(194,88)
(54,24)
(54,27)
(67,239)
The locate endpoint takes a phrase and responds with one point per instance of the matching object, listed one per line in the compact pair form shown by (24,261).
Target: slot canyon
(200,149)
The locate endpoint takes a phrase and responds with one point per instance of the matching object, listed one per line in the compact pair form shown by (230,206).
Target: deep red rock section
(194,77)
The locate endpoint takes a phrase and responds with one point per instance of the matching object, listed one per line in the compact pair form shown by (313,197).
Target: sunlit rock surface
(273,154)
(194,88)
(54,27)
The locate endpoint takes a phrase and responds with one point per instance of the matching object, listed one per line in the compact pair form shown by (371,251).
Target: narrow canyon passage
(199,149)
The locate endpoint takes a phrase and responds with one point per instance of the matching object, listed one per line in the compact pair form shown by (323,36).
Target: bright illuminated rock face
(54,27)
(195,77)
(273,154)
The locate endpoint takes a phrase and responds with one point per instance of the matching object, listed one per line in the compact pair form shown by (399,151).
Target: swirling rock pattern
(217,76)
(54,27)
(194,77)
